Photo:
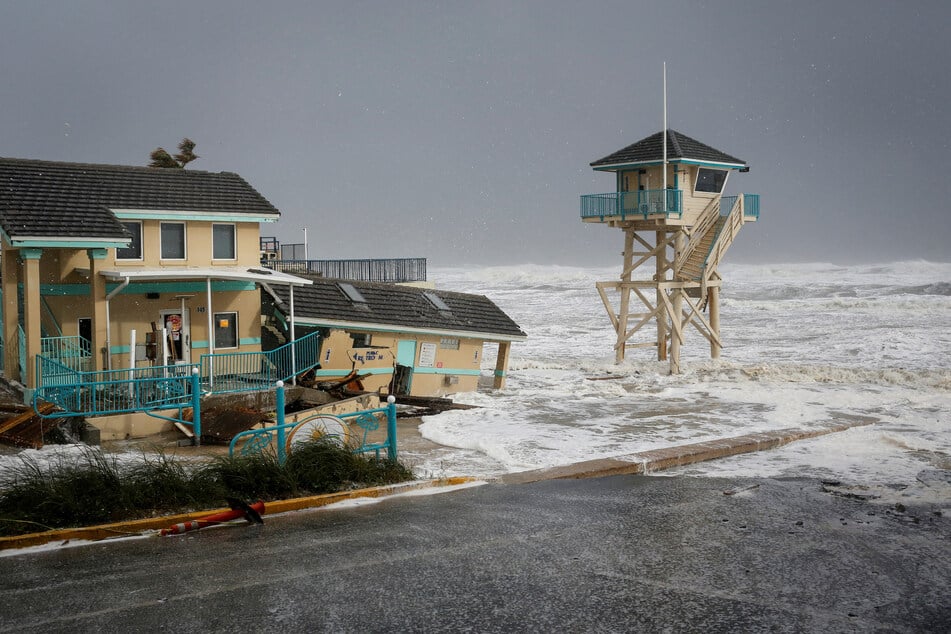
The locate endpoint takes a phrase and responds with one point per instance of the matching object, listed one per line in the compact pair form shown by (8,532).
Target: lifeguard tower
(670,205)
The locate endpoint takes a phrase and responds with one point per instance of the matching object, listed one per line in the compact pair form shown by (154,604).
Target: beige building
(94,253)
(401,339)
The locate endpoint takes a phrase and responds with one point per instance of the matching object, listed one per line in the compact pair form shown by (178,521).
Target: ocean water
(804,344)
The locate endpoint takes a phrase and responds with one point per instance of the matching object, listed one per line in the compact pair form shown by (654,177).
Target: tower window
(710,180)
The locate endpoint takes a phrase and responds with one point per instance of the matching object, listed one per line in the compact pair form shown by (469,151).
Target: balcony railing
(750,205)
(379,270)
(642,203)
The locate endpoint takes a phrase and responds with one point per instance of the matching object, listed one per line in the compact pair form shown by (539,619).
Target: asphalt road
(621,554)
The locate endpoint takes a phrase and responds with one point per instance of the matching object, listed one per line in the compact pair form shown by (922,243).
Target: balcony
(638,204)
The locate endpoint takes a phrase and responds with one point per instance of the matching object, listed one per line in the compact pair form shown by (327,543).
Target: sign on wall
(427,355)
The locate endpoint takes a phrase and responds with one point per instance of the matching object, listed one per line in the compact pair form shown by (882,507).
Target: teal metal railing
(726,204)
(257,371)
(73,351)
(644,203)
(21,347)
(100,393)
(751,205)
(260,440)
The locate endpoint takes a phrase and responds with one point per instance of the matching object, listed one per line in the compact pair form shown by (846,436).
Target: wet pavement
(625,553)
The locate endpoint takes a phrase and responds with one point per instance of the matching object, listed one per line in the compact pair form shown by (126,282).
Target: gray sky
(462,131)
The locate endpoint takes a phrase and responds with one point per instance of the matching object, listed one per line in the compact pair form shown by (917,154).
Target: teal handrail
(233,372)
(644,203)
(751,205)
(99,393)
(74,351)
(259,440)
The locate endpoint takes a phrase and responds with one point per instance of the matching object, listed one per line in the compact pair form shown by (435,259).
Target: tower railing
(643,203)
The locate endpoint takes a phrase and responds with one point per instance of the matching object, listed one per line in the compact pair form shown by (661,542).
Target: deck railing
(379,270)
(72,351)
(98,393)
(643,203)
(231,372)
(751,205)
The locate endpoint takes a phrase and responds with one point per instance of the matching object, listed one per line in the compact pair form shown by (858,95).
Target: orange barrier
(248,512)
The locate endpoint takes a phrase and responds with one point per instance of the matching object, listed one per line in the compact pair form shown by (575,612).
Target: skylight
(352,293)
(436,301)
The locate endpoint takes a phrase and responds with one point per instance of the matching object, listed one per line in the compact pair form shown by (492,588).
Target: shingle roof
(54,199)
(395,305)
(679,146)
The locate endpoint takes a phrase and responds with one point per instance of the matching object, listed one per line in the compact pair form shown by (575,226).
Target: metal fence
(377,270)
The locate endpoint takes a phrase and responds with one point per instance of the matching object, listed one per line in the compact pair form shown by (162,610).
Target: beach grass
(95,487)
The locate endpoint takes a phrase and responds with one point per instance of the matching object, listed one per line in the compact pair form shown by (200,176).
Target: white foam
(805,344)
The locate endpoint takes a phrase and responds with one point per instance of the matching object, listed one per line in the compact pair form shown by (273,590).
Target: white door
(178,337)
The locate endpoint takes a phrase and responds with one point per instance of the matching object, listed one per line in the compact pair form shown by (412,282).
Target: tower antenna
(665,136)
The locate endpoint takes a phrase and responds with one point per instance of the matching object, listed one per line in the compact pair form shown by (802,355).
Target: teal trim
(199,345)
(447,371)
(250,341)
(120,349)
(31,253)
(68,244)
(197,216)
(622,166)
(141,288)
(500,373)
(96,254)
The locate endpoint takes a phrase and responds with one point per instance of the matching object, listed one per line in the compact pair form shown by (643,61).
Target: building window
(173,240)
(222,242)
(448,343)
(360,339)
(710,181)
(226,330)
(134,250)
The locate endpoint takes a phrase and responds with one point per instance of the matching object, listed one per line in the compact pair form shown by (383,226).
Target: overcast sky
(463,131)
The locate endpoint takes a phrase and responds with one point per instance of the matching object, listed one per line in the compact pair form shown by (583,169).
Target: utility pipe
(109,296)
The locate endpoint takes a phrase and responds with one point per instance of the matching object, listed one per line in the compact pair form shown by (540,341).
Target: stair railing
(708,218)
(721,243)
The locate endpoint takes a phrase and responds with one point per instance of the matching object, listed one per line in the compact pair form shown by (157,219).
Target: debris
(239,510)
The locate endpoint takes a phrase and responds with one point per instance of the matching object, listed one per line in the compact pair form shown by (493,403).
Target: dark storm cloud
(462,132)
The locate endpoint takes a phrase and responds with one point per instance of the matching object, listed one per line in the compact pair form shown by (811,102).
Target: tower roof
(680,148)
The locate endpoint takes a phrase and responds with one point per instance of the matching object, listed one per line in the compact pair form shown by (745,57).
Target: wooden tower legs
(671,308)
(660,258)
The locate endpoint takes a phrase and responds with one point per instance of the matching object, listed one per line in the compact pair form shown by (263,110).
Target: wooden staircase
(712,236)
(692,269)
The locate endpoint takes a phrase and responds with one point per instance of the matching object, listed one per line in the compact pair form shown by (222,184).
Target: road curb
(138,527)
(654,460)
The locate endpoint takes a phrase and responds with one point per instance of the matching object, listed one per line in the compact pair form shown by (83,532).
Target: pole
(391,427)
(132,363)
(279,415)
(665,136)
(196,405)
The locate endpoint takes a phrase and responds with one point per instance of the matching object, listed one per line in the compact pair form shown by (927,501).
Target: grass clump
(94,488)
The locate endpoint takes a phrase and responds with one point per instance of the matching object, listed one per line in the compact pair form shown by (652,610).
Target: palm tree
(186,154)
